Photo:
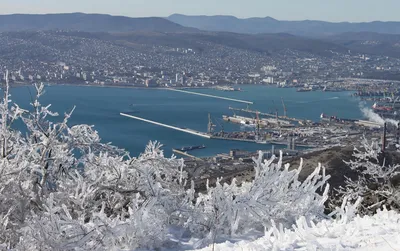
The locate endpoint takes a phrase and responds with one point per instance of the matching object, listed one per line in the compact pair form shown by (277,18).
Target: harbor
(191,112)
(186,122)
(264,128)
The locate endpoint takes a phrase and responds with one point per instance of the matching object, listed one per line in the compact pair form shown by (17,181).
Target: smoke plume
(374,117)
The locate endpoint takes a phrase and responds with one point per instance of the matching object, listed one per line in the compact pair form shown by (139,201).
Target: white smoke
(374,117)
(392,121)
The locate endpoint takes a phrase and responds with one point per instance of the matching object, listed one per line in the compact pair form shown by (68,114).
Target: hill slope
(368,42)
(86,22)
(270,25)
(268,43)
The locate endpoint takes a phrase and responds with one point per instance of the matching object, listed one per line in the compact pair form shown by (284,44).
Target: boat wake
(316,101)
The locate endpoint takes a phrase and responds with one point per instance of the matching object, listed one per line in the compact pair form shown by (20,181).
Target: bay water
(101,107)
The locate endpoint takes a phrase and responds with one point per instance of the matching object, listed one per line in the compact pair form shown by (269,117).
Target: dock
(210,96)
(264,122)
(186,130)
(239,139)
(263,142)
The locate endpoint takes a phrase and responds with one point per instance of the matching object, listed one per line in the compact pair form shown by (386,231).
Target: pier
(190,131)
(210,96)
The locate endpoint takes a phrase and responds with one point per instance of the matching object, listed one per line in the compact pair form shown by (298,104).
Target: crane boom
(210,126)
(284,108)
(257,126)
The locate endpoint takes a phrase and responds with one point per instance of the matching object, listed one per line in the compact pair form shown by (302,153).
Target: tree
(60,185)
(275,194)
(374,182)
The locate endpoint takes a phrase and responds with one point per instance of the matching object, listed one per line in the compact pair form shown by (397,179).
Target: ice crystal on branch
(275,194)
(374,180)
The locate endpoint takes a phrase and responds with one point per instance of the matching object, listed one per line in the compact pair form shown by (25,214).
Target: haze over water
(101,107)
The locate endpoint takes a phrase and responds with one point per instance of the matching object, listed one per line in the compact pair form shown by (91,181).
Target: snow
(378,232)
(61,188)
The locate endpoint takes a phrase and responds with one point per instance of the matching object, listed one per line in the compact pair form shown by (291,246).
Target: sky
(326,10)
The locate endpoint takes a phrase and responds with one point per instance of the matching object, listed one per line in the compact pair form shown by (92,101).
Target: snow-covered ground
(378,232)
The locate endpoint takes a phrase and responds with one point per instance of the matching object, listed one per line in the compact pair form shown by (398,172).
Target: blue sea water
(101,106)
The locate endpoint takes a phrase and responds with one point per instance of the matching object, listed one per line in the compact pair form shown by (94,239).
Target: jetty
(207,135)
(210,96)
(186,130)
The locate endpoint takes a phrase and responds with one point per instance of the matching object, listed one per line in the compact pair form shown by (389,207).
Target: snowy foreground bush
(62,189)
(380,232)
(377,183)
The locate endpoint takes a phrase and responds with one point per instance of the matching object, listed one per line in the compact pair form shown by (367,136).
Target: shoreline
(133,87)
(160,88)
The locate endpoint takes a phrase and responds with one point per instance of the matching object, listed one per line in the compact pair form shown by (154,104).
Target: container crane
(276,113)
(221,125)
(210,127)
(284,108)
(257,126)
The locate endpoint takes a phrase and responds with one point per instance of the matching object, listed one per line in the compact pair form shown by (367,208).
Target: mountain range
(271,25)
(87,22)
(257,34)
(183,23)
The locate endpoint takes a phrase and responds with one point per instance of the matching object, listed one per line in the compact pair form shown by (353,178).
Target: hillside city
(68,57)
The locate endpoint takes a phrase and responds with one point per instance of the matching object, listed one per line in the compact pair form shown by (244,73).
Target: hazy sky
(329,10)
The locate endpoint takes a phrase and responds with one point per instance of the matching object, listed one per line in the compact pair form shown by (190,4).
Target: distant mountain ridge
(87,22)
(271,25)
(368,42)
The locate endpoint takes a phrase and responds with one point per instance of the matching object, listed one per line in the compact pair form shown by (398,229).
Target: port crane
(276,114)
(284,108)
(210,127)
(257,126)
(220,125)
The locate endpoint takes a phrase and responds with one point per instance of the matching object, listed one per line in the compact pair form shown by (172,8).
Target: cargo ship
(304,89)
(191,148)
(334,89)
(381,108)
(387,112)
(226,88)
(335,119)
(251,122)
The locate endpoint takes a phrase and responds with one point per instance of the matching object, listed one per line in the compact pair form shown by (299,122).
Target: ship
(334,89)
(387,112)
(327,118)
(191,148)
(381,108)
(304,89)
(335,119)
(226,88)
(251,122)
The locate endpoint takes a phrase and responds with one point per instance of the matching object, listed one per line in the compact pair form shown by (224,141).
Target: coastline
(127,86)
(47,84)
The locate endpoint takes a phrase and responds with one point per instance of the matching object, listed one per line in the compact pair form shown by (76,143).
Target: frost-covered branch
(374,181)
(274,194)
